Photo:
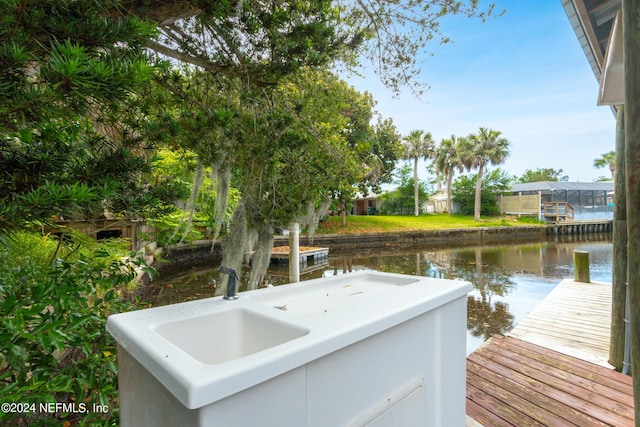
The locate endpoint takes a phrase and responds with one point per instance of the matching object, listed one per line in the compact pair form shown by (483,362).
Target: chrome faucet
(231,283)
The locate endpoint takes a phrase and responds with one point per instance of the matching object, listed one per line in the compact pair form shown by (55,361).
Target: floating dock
(280,254)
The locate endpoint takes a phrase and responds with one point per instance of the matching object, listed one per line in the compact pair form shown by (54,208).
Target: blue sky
(523,74)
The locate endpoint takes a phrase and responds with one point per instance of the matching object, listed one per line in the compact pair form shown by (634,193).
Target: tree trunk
(449,191)
(477,207)
(344,215)
(616,347)
(416,207)
(631,37)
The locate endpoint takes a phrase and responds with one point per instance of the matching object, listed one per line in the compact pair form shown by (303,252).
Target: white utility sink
(222,336)
(353,349)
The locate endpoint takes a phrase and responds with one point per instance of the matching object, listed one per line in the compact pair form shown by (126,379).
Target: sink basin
(223,336)
(331,292)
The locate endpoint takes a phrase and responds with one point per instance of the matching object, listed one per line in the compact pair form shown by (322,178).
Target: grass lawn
(385,224)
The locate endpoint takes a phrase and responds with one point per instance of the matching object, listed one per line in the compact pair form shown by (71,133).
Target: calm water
(509,280)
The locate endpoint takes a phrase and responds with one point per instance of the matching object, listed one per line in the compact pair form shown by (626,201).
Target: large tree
(311,141)
(487,147)
(447,160)
(259,43)
(418,144)
(288,148)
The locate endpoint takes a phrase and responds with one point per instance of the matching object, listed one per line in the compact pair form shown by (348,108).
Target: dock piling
(581,267)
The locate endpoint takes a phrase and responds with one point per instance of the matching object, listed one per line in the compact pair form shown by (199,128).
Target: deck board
(552,368)
(512,382)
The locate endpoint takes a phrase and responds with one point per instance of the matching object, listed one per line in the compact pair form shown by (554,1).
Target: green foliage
(169,229)
(418,144)
(542,174)
(530,220)
(69,74)
(55,346)
(401,200)
(494,183)
(385,150)
(289,146)
(258,42)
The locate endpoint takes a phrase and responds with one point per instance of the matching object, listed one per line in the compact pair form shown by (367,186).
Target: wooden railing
(558,211)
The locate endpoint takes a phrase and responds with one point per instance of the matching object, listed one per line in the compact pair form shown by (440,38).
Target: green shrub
(494,183)
(55,346)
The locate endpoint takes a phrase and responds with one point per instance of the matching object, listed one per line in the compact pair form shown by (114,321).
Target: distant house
(437,202)
(590,199)
(369,205)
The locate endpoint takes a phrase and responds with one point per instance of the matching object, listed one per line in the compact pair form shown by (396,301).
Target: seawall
(203,249)
(442,237)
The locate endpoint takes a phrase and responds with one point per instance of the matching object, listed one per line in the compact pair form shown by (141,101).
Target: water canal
(509,280)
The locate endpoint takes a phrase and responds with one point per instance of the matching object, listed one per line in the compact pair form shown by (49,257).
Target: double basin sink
(208,349)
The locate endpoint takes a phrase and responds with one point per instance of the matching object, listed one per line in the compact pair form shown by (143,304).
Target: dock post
(294,252)
(581,267)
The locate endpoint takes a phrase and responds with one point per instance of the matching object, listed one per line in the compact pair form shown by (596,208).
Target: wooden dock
(575,319)
(580,226)
(280,254)
(515,383)
(552,369)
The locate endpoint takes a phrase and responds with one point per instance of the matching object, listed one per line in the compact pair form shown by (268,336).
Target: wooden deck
(575,319)
(515,383)
(552,369)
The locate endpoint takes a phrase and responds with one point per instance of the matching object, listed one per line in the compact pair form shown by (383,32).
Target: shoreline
(204,249)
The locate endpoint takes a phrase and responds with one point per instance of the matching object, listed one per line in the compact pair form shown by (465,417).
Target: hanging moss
(185,223)
(235,245)
(313,216)
(223,179)
(261,255)
(191,203)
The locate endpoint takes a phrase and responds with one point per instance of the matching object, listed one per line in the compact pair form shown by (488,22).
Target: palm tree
(418,144)
(447,160)
(487,147)
(607,160)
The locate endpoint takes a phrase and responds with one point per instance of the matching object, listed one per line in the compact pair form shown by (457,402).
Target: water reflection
(509,280)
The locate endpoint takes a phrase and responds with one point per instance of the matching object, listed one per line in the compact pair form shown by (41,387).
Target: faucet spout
(230,294)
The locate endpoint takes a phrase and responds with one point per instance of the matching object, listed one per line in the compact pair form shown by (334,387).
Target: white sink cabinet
(360,349)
